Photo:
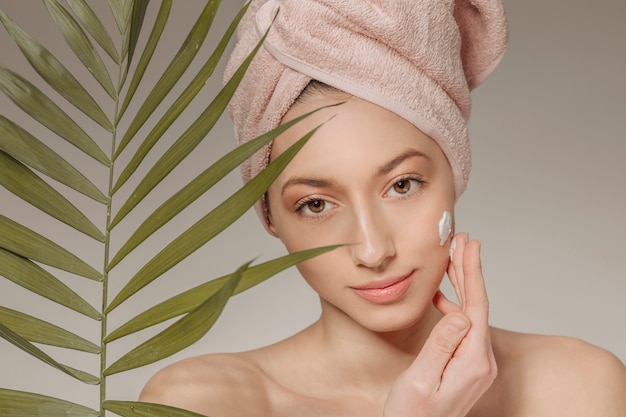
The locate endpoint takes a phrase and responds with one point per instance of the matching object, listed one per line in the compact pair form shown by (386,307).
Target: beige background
(546,198)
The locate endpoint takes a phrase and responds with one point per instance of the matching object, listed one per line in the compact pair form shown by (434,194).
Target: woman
(382,175)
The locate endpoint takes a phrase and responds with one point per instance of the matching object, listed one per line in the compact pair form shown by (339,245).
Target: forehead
(355,134)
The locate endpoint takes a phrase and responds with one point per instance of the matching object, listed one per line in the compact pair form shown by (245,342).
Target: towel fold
(416,58)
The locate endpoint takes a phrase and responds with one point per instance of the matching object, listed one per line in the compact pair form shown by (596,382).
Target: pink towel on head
(416,58)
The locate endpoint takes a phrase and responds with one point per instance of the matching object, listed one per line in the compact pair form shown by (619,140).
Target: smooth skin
(373,181)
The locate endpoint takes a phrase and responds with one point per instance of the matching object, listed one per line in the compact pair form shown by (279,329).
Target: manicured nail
(452,247)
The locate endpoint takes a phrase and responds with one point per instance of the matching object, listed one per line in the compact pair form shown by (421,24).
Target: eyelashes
(315,207)
(405,186)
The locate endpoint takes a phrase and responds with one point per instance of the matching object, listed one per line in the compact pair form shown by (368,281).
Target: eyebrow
(389,166)
(311,182)
(382,170)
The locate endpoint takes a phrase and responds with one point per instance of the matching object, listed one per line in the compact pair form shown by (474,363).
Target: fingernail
(459,323)
(452,247)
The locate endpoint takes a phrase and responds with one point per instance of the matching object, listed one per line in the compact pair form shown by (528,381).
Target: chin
(396,317)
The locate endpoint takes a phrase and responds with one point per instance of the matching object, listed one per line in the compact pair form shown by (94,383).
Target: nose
(374,244)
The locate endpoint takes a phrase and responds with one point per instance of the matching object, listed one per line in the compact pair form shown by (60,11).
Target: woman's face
(370,180)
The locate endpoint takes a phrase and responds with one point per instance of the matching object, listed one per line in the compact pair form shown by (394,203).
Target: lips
(384,291)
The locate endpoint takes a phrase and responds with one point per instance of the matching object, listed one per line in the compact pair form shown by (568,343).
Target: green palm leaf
(137,409)
(17,340)
(181,334)
(22,182)
(179,105)
(39,331)
(187,142)
(55,73)
(209,226)
(81,45)
(24,147)
(189,300)
(29,244)
(179,64)
(146,56)
(94,26)
(136,23)
(122,11)
(30,99)
(26,404)
(197,187)
(34,278)
(34,170)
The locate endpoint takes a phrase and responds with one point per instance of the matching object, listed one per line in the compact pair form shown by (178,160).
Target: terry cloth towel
(416,58)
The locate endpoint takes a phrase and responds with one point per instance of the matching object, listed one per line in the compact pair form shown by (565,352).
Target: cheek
(326,273)
(420,237)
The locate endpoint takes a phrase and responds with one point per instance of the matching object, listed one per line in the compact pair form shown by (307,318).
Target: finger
(457,267)
(427,370)
(443,304)
(451,273)
(451,270)
(477,303)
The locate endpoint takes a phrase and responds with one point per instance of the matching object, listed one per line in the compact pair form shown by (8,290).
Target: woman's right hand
(456,364)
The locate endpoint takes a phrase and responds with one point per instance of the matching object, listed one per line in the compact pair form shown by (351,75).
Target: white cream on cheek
(445,227)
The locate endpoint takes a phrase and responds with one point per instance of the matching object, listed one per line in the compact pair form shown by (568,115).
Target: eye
(404,187)
(313,207)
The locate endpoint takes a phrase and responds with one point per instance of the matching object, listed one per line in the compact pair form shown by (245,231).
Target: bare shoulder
(558,376)
(215,384)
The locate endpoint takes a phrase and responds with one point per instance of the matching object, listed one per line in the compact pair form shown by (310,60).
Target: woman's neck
(355,352)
